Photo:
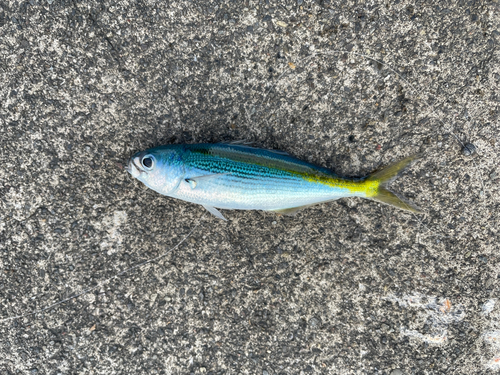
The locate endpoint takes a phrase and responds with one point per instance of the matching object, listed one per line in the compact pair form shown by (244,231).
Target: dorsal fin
(246,145)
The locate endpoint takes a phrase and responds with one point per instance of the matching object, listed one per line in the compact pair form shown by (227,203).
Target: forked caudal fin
(382,178)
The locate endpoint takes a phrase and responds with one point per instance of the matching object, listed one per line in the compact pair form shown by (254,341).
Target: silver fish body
(234,176)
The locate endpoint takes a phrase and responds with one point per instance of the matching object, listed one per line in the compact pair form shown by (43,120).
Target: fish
(235,176)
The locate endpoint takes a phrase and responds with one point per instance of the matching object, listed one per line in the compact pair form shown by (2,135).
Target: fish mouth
(132,168)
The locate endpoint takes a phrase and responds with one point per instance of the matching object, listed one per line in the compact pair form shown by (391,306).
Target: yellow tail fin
(384,178)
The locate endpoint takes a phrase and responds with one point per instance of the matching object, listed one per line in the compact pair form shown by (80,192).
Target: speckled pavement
(349,287)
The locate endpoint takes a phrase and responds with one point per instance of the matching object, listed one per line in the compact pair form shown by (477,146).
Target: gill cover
(158,168)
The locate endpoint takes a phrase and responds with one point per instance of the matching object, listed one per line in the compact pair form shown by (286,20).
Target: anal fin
(293,210)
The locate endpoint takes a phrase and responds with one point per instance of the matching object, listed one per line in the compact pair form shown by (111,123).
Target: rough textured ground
(351,287)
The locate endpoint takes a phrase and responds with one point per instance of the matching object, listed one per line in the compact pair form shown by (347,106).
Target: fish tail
(376,185)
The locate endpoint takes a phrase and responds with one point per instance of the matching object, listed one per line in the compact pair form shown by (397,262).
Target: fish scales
(261,180)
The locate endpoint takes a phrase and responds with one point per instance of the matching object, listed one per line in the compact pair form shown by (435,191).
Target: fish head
(159,168)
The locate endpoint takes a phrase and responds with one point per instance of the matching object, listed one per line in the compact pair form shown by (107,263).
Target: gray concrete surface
(351,287)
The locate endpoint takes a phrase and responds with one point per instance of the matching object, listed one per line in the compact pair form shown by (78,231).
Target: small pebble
(469,149)
(397,371)
(314,322)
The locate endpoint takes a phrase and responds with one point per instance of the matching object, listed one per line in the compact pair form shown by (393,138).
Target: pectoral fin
(193,181)
(215,212)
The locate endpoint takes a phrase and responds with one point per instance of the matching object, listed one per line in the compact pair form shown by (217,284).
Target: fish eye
(147,162)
